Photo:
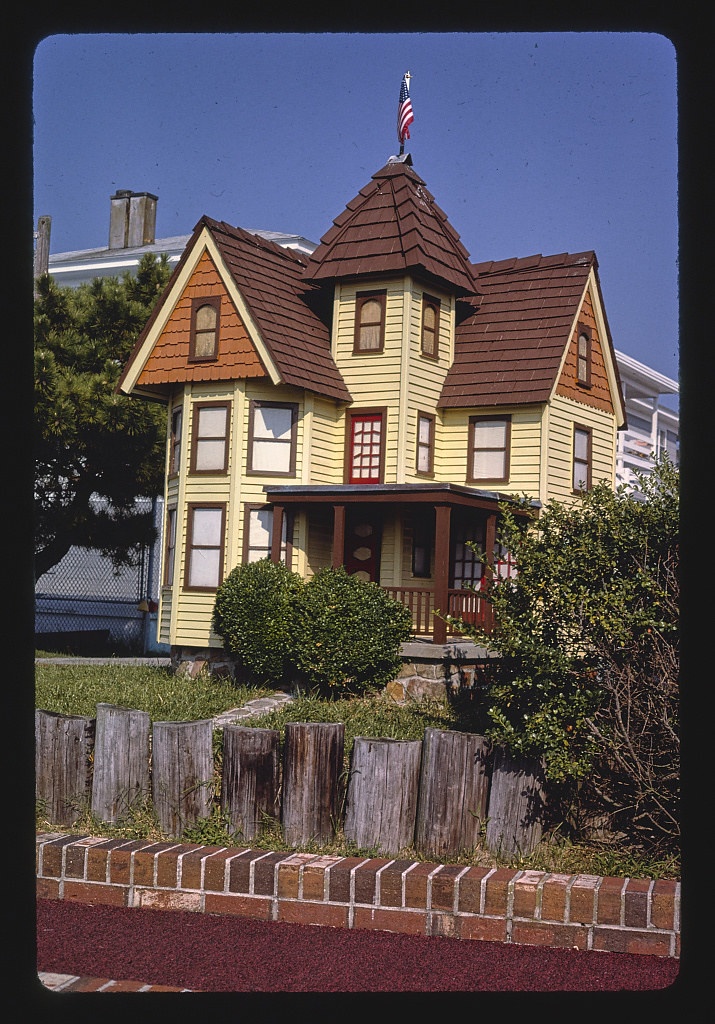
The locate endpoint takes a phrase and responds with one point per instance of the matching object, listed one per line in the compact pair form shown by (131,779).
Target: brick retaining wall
(629,915)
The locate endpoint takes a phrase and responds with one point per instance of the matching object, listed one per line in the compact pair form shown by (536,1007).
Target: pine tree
(91,442)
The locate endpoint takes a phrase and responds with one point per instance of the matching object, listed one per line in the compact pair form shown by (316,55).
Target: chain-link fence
(83,605)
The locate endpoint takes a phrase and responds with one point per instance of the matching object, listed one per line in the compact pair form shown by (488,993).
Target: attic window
(583,357)
(204,328)
(430,326)
(369,321)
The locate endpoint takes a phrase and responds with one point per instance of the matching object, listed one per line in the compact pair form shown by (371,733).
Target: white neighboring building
(652,428)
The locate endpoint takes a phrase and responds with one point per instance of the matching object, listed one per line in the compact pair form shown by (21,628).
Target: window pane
(370,337)
(260,528)
(271,456)
(204,567)
(582,346)
(270,422)
(204,344)
(580,445)
(423,459)
(212,422)
(429,317)
(425,430)
(207,527)
(488,465)
(580,476)
(205,318)
(210,455)
(490,434)
(371,312)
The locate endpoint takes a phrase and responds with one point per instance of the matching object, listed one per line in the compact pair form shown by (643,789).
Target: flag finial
(405,117)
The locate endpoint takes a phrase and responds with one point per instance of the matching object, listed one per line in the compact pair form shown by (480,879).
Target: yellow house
(368,405)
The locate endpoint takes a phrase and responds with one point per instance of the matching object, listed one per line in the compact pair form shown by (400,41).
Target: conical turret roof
(393,225)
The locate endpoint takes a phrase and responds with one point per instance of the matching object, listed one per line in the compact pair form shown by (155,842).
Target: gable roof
(267,277)
(509,348)
(393,225)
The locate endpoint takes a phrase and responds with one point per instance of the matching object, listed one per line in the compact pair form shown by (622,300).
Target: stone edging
(588,912)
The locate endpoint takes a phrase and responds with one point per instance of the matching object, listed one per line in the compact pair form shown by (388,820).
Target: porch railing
(463,604)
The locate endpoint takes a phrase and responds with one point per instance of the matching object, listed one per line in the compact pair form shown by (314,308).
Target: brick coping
(588,912)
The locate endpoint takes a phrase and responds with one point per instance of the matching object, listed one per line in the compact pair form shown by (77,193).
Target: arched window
(204,328)
(430,326)
(369,321)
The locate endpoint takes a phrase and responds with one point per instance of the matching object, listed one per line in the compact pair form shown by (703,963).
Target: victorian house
(369,404)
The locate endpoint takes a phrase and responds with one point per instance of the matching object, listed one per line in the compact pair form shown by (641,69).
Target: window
(489,449)
(170,549)
(581,479)
(209,445)
(430,326)
(466,564)
(583,357)
(175,442)
(421,548)
(425,444)
(365,448)
(203,343)
(369,321)
(204,547)
(258,534)
(272,432)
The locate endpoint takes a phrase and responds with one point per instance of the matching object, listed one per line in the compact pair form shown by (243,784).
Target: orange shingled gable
(599,394)
(169,359)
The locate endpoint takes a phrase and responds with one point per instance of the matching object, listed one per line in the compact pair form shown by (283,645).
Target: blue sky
(530,143)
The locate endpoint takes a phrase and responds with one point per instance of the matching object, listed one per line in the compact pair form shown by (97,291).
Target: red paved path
(212,953)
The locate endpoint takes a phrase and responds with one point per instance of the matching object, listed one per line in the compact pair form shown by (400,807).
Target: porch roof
(427,493)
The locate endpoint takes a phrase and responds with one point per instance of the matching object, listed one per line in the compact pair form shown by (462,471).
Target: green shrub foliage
(334,634)
(348,633)
(588,638)
(254,615)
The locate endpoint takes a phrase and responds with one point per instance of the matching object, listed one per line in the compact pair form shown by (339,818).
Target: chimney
(132,220)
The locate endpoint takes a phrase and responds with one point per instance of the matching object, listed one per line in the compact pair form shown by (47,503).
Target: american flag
(405,117)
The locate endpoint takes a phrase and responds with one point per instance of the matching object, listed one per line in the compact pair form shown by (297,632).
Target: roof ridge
(521,264)
(260,241)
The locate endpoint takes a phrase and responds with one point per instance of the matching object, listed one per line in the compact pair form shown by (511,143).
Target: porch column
(277,532)
(443,514)
(338,536)
(490,535)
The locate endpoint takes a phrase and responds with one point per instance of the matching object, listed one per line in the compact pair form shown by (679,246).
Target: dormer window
(430,326)
(204,328)
(369,322)
(583,357)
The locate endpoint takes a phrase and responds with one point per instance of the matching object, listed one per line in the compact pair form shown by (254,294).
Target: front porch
(414,540)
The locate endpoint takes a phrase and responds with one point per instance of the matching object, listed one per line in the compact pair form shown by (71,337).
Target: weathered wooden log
(121,761)
(454,785)
(516,804)
(182,773)
(381,805)
(250,778)
(312,781)
(63,774)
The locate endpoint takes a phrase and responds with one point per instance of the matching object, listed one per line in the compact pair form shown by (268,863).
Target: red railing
(462,604)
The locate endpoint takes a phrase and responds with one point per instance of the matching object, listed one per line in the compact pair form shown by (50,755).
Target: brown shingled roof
(269,277)
(393,225)
(509,348)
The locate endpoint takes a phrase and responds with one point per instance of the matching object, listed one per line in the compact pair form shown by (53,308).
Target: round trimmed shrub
(347,633)
(254,615)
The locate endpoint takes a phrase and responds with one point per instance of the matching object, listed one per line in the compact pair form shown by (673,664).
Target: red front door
(362,545)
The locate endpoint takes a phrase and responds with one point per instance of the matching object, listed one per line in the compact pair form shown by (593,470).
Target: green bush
(254,616)
(348,633)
